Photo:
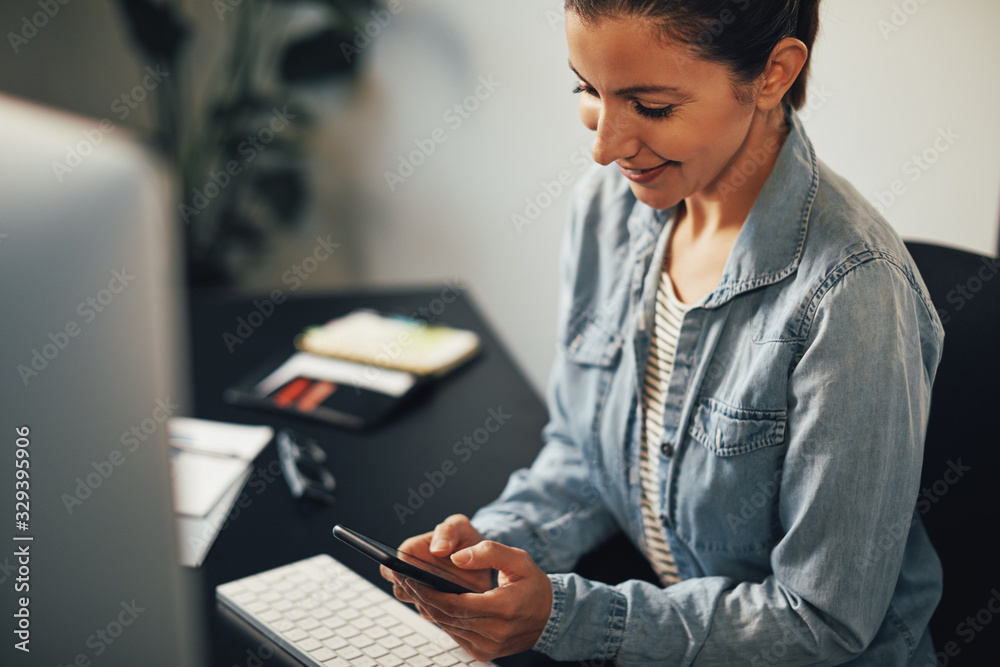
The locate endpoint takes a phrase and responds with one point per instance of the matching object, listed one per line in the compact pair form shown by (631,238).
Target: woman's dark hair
(737,33)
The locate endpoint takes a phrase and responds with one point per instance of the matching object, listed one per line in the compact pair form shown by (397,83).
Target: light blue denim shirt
(793,436)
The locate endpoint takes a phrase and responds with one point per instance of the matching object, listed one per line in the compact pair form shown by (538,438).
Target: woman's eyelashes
(655,113)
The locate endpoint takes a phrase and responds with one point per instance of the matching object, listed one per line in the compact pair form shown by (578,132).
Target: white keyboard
(327,615)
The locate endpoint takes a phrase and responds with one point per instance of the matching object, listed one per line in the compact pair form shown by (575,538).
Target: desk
(375,470)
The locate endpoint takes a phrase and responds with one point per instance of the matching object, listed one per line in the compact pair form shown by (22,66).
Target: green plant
(239,154)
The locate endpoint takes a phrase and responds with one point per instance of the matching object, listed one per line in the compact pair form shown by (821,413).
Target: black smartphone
(407,565)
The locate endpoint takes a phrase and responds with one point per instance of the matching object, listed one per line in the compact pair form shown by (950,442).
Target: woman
(743,381)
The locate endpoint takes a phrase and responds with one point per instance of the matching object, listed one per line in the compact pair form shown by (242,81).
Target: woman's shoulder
(852,251)
(846,230)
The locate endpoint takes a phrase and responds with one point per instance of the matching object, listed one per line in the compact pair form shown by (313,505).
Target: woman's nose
(614,138)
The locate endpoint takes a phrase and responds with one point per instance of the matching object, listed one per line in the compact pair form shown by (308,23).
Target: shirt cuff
(587,620)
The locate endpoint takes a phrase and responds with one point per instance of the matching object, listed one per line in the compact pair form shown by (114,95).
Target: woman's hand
(503,621)
(436,547)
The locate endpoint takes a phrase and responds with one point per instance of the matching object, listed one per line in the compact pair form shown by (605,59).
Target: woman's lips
(645,175)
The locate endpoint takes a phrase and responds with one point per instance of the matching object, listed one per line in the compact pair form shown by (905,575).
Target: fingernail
(439,545)
(461,557)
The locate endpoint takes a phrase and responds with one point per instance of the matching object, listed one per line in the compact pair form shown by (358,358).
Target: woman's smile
(645,175)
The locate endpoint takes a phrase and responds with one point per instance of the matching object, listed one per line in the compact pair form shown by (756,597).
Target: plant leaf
(326,54)
(155,28)
(284,191)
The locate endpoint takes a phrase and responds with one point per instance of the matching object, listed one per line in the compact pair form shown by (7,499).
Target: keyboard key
(321,632)
(375,651)
(446,660)
(283,605)
(270,615)
(296,614)
(257,606)
(362,623)
(308,623)
(323,653)
(350,652)
(320,613)
(335,643)
(309,644)
(405,651)
(336,662)
(295,634)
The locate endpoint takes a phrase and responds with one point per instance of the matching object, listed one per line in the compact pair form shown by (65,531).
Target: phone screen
(405,564)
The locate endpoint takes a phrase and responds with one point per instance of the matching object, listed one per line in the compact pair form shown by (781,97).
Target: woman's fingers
(453,533)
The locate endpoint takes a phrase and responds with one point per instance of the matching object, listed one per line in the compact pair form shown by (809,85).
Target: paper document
(210,463)
(195,535)
(200,480)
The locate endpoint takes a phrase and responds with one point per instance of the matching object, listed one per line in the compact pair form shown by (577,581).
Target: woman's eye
(655,113)
(644,111)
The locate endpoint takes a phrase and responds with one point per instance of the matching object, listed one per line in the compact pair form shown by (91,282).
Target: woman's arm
(552,509)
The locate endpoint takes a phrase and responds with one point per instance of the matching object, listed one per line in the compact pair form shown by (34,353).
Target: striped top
(667,323)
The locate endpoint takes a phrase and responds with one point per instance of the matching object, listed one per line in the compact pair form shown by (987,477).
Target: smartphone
(405,564)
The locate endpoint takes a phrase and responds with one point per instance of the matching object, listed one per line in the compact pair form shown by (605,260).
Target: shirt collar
(769,245)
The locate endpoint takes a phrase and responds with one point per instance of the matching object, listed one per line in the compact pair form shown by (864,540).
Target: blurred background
(435,141)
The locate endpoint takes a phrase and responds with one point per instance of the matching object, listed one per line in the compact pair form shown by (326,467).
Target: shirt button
(667,449)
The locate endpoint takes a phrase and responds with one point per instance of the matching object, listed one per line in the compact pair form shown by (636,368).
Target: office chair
(960,483)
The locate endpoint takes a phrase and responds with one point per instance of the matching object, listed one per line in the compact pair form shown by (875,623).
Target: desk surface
(379,471)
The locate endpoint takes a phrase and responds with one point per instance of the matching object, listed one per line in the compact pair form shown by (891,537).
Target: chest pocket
(728,431)
(729,485)
(594,341)
(593,349)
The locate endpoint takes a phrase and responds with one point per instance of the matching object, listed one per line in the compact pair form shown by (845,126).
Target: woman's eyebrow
(637,90)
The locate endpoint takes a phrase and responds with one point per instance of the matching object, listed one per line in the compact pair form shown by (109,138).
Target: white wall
(887,98)
(899,75)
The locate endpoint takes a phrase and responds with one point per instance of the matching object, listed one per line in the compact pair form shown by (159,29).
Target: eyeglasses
(302,465)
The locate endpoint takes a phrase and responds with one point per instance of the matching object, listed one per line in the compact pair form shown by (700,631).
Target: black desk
(375,470)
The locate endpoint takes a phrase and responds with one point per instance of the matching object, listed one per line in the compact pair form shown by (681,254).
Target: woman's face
(670,120)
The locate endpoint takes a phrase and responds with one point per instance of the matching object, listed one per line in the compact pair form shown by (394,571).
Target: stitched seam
(911,644)
(836,275)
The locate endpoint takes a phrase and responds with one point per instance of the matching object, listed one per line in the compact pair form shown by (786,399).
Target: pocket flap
(728,431)
(594,340)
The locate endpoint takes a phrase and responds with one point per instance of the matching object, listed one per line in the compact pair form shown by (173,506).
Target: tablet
(405,564)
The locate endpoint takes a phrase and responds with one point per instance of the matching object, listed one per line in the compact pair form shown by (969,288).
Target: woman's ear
(787,59)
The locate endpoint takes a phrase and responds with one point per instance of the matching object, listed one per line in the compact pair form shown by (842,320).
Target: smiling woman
(743,382)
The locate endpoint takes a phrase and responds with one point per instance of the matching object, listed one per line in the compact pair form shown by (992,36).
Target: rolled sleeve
(587,620)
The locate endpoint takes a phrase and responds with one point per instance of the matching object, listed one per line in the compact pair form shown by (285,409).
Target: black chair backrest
(960,484)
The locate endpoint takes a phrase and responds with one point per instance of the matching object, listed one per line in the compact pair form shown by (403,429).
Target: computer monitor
(90,353)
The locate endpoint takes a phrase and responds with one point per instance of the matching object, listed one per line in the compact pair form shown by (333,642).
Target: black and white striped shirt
(667,323)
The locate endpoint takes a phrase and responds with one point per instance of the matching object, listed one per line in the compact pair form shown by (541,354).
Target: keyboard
(327,615)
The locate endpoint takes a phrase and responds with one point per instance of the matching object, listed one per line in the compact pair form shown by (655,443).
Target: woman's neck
(727,201)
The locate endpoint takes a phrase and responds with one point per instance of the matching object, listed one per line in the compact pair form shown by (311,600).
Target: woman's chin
(655,198)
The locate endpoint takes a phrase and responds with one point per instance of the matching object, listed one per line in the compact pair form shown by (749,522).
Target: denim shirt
(793,436)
